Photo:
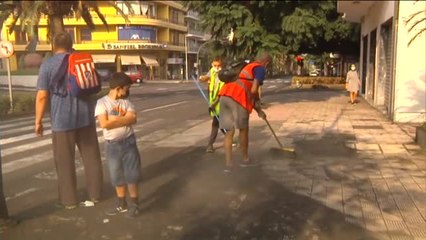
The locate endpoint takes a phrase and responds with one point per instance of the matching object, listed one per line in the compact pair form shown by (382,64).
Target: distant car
(104,74)
(134,72)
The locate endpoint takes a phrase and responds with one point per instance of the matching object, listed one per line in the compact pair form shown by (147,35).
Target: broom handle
(272,130)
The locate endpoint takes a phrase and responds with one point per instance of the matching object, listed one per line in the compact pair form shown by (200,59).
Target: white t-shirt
(119,107)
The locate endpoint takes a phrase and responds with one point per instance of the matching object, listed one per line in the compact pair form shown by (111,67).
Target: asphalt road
(184,193)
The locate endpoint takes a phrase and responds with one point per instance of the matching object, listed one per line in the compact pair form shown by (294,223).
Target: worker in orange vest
(237,100)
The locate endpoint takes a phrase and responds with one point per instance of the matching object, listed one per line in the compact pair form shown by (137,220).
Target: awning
(150,60)
(103,58)
(130,60)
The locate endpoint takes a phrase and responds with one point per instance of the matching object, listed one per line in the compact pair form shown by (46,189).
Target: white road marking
(23,137)
(48,132)
(164,106)
(24,127)
(20,119)
(20,194)
(18,124)
(47,155)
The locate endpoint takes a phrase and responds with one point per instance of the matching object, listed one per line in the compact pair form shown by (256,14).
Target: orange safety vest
(236,91)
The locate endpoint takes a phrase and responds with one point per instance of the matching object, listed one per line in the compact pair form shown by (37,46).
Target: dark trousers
(3,208)
(87,143)
(215,129)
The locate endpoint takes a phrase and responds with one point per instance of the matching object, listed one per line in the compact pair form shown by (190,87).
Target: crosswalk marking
(19,123)
(33,144)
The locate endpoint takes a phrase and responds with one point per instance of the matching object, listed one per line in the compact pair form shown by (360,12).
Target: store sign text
(131,46)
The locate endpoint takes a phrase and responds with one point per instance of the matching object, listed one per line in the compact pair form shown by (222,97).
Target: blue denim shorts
(123,160)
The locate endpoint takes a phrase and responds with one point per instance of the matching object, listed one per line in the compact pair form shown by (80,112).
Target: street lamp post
(229,39)
(198,54)
(186,57)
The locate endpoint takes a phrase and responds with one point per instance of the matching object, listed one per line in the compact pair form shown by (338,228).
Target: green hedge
(318,80)
(21,72)
(24,103)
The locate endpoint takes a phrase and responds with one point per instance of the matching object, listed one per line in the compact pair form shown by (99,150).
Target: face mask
(126,95)
(353,68)
(216,69)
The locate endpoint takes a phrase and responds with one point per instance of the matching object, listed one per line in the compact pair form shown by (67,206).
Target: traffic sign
(6,49)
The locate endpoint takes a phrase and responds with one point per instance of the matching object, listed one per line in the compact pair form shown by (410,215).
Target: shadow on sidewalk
(250,206)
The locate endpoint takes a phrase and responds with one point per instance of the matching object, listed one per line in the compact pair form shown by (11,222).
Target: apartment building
(153,42)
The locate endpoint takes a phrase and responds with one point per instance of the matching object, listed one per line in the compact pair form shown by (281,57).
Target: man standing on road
(72,124)
(214,87)
(237,100)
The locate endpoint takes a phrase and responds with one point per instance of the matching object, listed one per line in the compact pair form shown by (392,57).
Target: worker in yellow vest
(214,107)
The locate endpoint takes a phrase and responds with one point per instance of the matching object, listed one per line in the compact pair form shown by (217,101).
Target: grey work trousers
(64,144)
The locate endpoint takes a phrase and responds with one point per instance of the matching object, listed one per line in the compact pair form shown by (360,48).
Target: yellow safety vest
(214,87)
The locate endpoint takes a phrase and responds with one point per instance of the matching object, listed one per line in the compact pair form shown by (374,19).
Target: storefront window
(86,34)
(137,33)
(174,16)
(139,8)
(123,7)
(20,36)
(70,30)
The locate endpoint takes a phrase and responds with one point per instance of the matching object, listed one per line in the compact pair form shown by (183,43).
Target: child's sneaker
(133,211)
(117,210)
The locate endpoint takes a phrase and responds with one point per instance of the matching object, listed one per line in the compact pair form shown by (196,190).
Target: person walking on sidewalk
(214,86)
(237,100)
(116,115)
(352,84)
(72,124)
(5,220)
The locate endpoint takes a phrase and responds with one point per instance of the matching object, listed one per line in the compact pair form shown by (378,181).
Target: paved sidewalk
(350,159)
(356,176)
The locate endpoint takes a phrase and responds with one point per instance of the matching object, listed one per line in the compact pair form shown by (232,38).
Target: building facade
(194,39)
(153,42)
(392,55)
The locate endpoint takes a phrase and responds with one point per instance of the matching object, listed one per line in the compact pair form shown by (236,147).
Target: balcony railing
(192,14)
(195,32)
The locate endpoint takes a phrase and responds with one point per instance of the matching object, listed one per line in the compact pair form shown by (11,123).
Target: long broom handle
(205,97)
(272,130)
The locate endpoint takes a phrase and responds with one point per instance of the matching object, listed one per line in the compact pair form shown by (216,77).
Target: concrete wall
(19,80)
(378,13)
(410,83)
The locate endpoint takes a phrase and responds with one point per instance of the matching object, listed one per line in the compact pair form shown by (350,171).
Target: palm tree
(30,12)
(416,19)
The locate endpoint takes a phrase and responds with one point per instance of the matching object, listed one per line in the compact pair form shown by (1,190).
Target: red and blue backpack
(76,76)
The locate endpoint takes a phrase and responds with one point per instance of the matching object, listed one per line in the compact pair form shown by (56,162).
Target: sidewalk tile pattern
(351,159)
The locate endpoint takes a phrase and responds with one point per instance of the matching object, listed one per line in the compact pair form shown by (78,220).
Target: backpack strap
(58,83)
(248,93)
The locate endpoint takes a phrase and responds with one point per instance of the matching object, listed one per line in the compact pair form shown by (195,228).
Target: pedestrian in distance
(5,220)
(352,84)
(116,115)
(237,100)
(72,125)
(214,86)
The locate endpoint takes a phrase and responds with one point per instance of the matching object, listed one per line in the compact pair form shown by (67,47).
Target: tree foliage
(28,14)
(278,26)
